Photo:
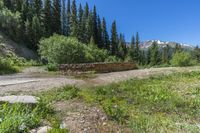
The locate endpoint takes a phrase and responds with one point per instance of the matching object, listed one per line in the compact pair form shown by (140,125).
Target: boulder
(19,99)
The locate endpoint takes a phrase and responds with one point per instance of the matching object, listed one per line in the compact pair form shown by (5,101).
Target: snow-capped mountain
(147,44)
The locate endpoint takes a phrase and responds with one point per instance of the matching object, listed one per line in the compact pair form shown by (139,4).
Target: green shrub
(7,66)
(60,50)
(182,59)
(52,67)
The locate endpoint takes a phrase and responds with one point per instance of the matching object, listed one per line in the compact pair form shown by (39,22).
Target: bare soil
(36,79)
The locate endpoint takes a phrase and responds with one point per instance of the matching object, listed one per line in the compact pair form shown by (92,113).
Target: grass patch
(22,118)
(154,104)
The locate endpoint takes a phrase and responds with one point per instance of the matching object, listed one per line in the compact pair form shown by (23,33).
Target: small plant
(182,59)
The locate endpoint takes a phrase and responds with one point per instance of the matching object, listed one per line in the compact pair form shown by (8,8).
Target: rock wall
(97,67)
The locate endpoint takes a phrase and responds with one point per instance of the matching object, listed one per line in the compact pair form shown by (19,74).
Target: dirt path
(35,79)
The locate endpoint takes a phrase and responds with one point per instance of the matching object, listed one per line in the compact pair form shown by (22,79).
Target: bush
(6,66)
(182,59)
(60,50)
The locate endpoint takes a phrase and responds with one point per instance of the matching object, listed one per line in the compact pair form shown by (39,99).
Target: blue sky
(167,20)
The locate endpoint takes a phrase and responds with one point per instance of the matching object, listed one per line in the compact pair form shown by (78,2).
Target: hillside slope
(8,46)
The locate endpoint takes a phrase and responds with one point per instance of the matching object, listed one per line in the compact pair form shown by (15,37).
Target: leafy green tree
(182,59)
(47,18)
(114,39)
(105,36)
(56,17)
(74,20)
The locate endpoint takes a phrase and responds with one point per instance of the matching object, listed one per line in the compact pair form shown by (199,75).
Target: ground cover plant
(157,104)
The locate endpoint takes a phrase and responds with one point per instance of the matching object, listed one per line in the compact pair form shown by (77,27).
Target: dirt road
(35,79)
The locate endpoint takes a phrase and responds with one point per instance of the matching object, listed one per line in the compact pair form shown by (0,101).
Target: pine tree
(47,18)
(178,48)
(196,54)
(165,55)
(38,7)
(7,3)
(105,36)
(89,28)
(64,18)
(142,57)
(137,48)
(148,57)
(28,33)
(133,43)
(95,29)
(56,17)
(154,54)
(36,30)
(114,39)
(122,47)
(85,24)
(68,31)
(24,17)
(100,44)
(74,21)
(80,24)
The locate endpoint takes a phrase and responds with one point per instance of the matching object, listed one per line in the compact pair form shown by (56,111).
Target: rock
(19,99)
(44,129)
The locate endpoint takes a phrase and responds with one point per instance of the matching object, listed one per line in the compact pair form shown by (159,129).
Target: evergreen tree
(74,21)
(178,48)
(28,33)
(56,17)
(95,29)
(100,44)
(154,54)
(85,24)
(148,57)
(133,43)
(64,18)
(36,30)
(122,47)
(165,55)
(196,54)
(47,18)
(24,17)
(38,7)
(80,24)
(105,36)
(142,57)
(137,48)
(89,27)
(7,3)
(68,31)
(114,39)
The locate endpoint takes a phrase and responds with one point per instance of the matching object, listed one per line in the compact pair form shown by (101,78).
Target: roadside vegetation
(156,104)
